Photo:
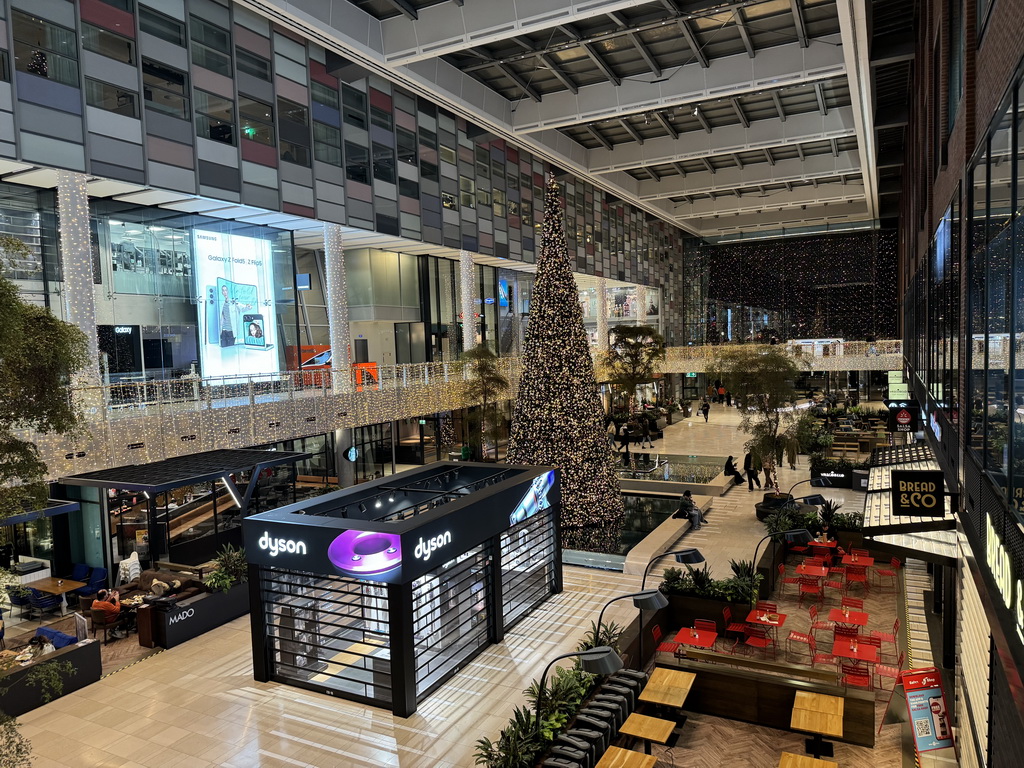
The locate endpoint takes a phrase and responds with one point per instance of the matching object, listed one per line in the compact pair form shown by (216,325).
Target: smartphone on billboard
(212,307)
(254,335)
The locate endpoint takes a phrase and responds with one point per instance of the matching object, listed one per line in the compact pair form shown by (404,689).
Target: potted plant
(232,569)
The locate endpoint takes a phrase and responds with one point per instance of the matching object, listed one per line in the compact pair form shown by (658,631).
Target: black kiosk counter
(382,592)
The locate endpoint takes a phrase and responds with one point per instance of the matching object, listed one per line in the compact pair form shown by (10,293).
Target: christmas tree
(558,419)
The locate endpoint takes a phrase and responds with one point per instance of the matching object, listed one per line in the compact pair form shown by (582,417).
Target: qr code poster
(927,706)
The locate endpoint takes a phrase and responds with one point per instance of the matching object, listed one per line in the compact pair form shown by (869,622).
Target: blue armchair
(43,602)
(97,581)
(80,572)
(17,598)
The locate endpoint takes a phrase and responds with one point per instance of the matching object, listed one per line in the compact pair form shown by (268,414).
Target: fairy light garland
(602,315)
(337,307)
(558,418)
(641,305)
(467,297)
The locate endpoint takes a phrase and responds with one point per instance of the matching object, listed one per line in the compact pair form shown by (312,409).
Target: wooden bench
(740,662)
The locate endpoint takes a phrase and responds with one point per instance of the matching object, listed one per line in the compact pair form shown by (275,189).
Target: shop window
(429,171)
(292,112)
(108,44)
(383,163)
(251,64)
(211,47)
(215,117)
(428,138)
(354,103)
(294,153)
(407,150)
(44,49)
(483,196)
(449,201)
(357,163)
(408,188)
(467,192)
(112,98)
(326,143)
(324,94)
(381,118)
(164,89)
(5,67)
(497,170)
(257,119)
(294,118)
(483,163)
(956,61)
(447,155)
(499,203)
(158,25)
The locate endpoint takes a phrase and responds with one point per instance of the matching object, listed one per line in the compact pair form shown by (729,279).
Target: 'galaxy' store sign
(318,536)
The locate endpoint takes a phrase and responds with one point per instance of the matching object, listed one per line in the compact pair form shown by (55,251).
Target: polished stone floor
(197,705)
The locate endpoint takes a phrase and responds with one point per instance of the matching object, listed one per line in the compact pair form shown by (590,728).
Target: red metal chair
(817,625)
(823,553)
(669,646)
(837,570)
(839,631)
(705,625)
(767,607)
(855,603)
(786,579)
(801,638)
(837,586)
(857,676)
(857,574)
(859,552)
(732,626)
(810,586)
(889,637)
(870,640)
(820,658)
(815,562)
(893,673)
(888,573)
(758,637)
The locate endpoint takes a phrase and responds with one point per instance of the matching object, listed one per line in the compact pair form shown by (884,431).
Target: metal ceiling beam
(666,125)
(645,54)
(768,156)
(561,74)
(736,159)
(679,169)
(738,109)
(700,118)
(601,64)
(778,106)
(707,164)
(601,139)
(631,131)
(851,212)
(691,40)
(798,20)
(741,26)
(788,64)
(752,175)
(819,94)
(406,8)
(799,129)
(524,86)
(773,200)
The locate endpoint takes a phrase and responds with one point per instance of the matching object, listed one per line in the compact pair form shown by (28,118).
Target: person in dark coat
(731,471)
(705,409)
(645,433)
(749,466)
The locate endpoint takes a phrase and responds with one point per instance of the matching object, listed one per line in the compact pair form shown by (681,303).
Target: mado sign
(918,493)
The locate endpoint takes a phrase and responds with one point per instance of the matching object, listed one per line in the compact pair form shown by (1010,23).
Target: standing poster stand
(926,707)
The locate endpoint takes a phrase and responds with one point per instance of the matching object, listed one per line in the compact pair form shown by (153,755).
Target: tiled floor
(197,705)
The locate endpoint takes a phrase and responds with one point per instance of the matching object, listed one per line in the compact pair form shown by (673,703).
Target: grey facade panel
(167,127)
(219,194)
(170,177)
(253,86)
(109,71)
(330,212)
(6,97)
(221,176)
(209,11)
(109,124)
(332,193)
(217,152)
(294,193)
(296,174)
(360,210)
(39,90)
(51,152)
(161,51)
(107,150)
(121,173)
(173,8)
(261,197)
(58,11)
(262,175)
(61,125)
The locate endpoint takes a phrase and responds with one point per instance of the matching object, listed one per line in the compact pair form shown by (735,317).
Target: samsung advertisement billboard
(237,318)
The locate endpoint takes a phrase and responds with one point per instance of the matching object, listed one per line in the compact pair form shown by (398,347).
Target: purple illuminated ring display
(365,553)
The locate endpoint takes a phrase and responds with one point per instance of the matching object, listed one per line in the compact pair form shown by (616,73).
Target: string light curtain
(76,264)
(602,315)
(641,305)
(467,296)
(337,308)
(558,417)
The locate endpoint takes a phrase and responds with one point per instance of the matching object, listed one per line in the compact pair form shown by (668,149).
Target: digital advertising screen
(237,321)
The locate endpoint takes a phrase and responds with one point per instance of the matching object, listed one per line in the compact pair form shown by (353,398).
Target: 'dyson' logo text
(424,549)
(275,546)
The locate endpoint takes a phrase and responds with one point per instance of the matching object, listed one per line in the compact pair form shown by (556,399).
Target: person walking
(721,394)
(623,434)
(705,409)
(645,433)
(728,399)
(752,473)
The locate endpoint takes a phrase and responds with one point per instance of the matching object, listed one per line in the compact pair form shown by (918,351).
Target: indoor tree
(558,419)
(634,352)
(763,378)
(485,385)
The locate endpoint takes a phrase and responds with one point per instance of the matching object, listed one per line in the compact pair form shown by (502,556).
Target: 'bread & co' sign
(918,493)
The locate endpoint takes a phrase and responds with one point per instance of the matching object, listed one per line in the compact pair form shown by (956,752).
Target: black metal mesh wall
(527,566)
(328,631)
(450,617)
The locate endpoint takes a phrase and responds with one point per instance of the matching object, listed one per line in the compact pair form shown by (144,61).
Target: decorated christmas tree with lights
(558,419)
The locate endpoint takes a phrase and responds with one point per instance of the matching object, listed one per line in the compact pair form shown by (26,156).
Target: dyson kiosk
(381,592)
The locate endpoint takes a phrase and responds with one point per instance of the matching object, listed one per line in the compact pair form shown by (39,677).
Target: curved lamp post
(648,600)
(602,660)
(793,536)
(687,556)
(816,482)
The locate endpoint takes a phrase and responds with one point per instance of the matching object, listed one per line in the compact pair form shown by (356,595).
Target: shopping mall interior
(544,384)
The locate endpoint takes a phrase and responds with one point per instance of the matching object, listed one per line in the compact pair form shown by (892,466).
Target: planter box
(191,618)
(683,609)
(19,697)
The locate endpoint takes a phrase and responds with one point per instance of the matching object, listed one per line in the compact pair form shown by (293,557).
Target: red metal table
(858,560)
(698,638)
(763,619)
(844,648)
(818,571)
(856,618)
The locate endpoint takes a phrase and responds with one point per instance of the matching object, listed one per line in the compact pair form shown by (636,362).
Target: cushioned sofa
(189,587)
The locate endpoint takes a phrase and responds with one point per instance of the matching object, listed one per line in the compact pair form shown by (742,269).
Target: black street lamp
(648,600)
(793,536)
(687,556)
(602,660)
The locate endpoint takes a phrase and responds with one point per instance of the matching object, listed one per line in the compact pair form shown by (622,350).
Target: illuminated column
(515,304)
(602,314)
(641,305)
(467,296)
(79,299)
(337,307)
